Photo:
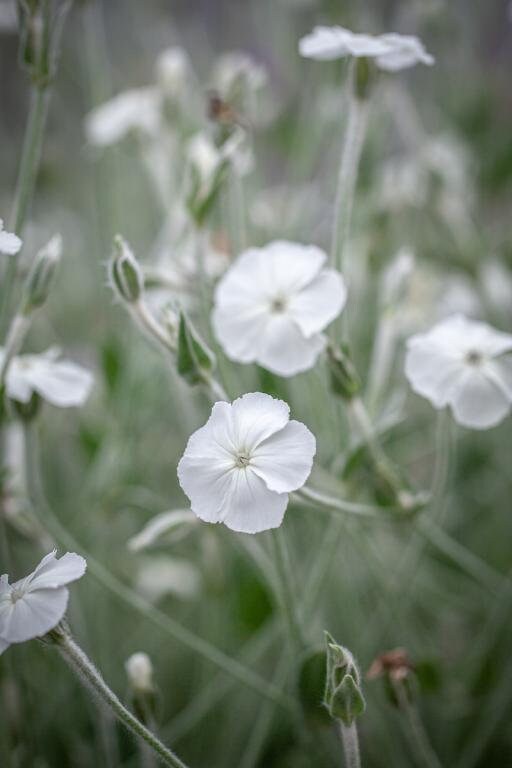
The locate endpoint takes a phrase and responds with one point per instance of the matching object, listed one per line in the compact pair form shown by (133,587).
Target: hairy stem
(350,742)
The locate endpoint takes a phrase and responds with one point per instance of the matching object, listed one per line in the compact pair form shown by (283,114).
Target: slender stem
(144,317)
(287,597)
(350,742)
(166,623)
(423,750)
(347,178)
(15,336)
(87,672)
(29,165)
(335,504)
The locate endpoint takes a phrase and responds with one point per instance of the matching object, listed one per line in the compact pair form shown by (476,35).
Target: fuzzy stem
(87,673)
(335,504)
(145,319)
(425,755)
(350,742)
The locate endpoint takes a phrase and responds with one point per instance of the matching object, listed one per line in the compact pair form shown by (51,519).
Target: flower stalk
(87,673)
(288,601)
(350,742)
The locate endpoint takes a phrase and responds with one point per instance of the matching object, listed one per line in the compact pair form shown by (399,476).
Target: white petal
(62,383)
(327,43)
(407,51)
(284,349)
(58,572)
(479,403)
(16,384)
(250,507)
(319,302)
(284,460)
(257,416)
(432,373)
(10,243)
(240,329)
(500,369)
(33,615)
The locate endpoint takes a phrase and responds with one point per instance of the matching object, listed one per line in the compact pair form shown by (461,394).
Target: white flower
(235,70)
(10,243)
(172,69)
(273,303)
(240,467)
(60,382)
(161,575)
(391,52)
(139,670)
(136,109)
(462,363)
(34,605)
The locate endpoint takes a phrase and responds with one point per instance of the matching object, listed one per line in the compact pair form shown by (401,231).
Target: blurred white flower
(462,363)
(139,671)
(176,521)
(162,575)
(273,303)
(236,70)
(391,52)
(496,282)
(60,382)
(172,69)
(240,467)
(396,277)
(137,109)
(10,243)
(34,605)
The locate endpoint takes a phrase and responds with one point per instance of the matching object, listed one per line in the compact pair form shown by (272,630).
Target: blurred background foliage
(109,468)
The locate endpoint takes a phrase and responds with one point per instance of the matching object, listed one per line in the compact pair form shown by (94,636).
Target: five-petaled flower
(273,303)
(60,382)
(240,467)
(463,364)
(10,243)
(34,605)
(391,52)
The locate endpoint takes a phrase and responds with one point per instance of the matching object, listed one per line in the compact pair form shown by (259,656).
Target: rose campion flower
(240,467)
(10,243)
(391,52)
(462,363)
(60,382)
(34,605)
(273,303)
(137,109)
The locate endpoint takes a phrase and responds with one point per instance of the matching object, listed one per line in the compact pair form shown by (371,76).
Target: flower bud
(41,275)
(195,361)
(363,77)
(344,379)
(140,672)
(343,696)
(125,274)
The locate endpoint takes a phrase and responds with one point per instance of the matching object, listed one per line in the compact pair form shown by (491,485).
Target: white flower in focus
(10,243)
(60,382)
(34,605)
(240,467)
(273,303)
(137,109)
(462,363)
(139,671)
(391,52)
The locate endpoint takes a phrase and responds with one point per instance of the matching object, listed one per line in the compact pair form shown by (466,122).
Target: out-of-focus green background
(107,469)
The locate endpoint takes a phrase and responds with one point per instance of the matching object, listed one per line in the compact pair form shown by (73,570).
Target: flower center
(16,594)
(278,305)
(473,357)
(242,460)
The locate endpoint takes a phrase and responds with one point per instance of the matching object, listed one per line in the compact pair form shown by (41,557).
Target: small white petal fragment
(462,363)
(273,303)
(34,605)
(10,243)
(240,467)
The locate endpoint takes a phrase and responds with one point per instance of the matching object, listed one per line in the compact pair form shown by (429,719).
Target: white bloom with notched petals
(34,605)
(391,52)
(240,467)
(10,243)
(463,364)
(60,382)
(273,303)
(137,109)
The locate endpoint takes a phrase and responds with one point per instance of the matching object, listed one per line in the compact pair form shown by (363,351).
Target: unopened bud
(343,696)
(344,379)
(41,275)
(125,273)
(140,672)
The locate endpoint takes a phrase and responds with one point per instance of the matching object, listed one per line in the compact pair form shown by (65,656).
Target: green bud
(41,275)
(343,697)
(27,411)
(343,376)
(195,361)
(364,76)
(125,274)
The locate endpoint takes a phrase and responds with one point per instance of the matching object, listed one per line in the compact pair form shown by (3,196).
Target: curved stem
(287,596)
(423,750)
(87,672)
(145,319)
(334,504)
(350,742)
(15,336)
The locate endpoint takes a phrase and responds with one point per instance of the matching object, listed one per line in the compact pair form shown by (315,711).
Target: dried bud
(41,275)
(125,274)
(343,696)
